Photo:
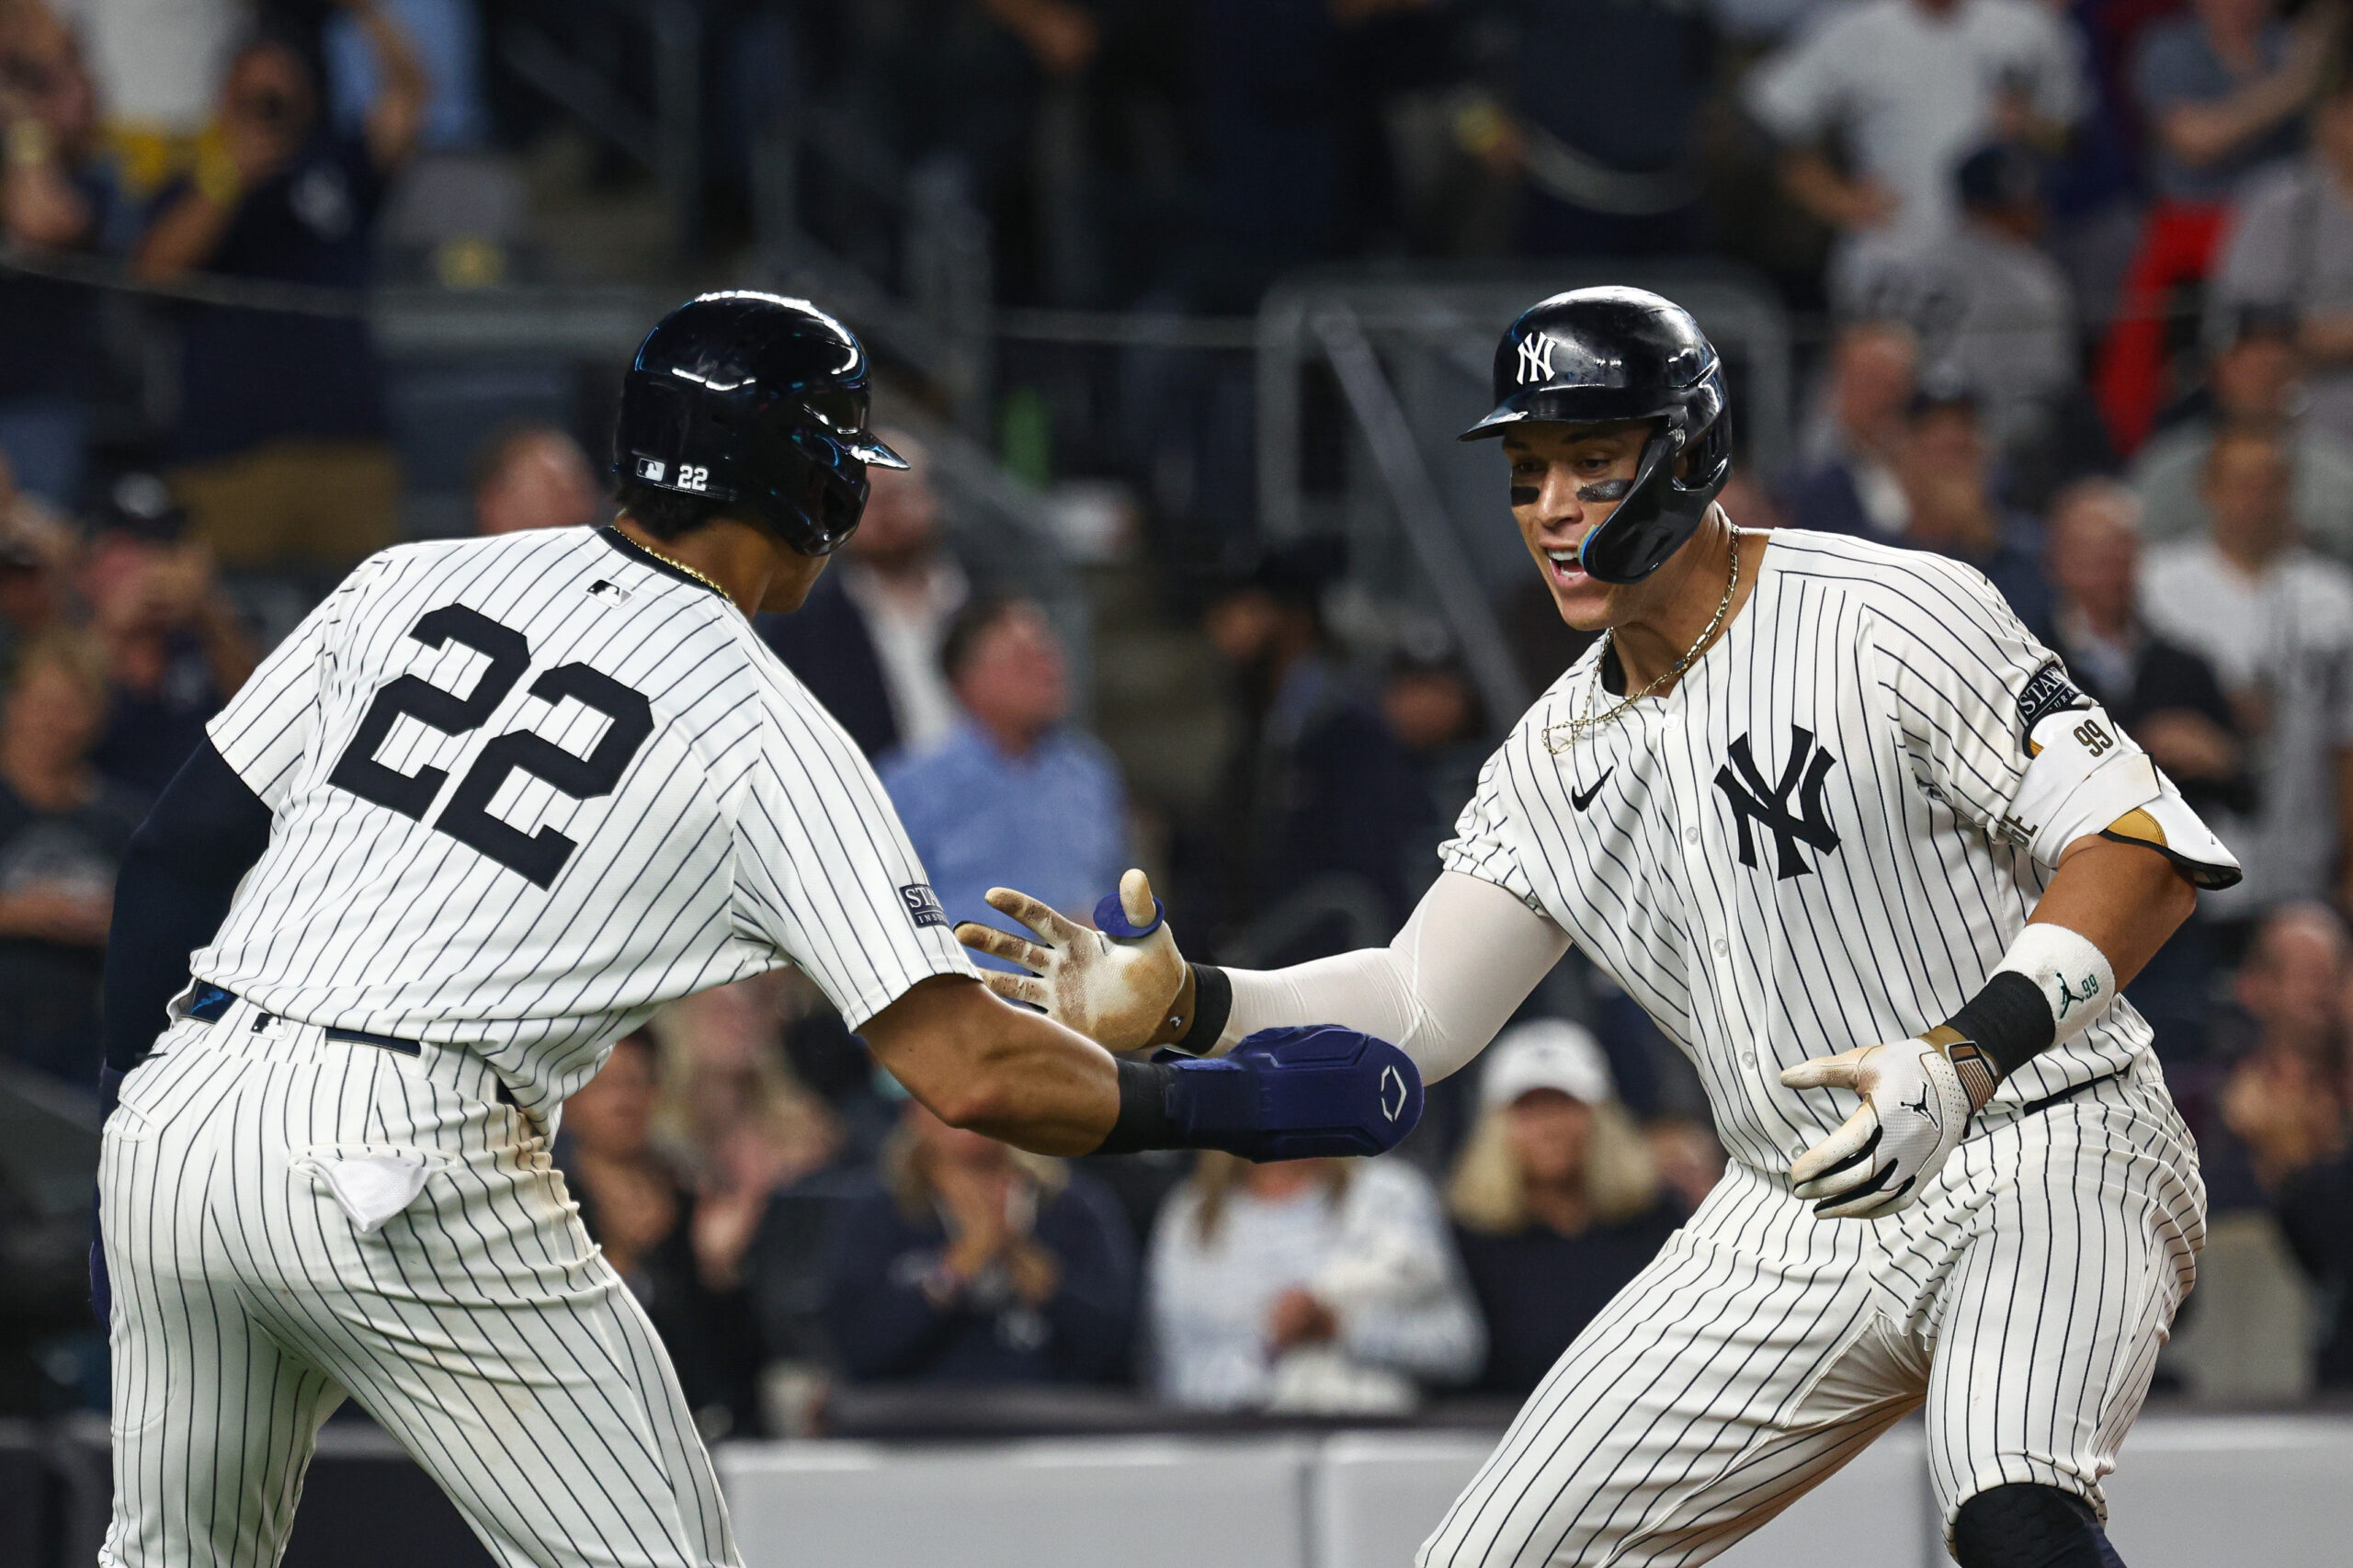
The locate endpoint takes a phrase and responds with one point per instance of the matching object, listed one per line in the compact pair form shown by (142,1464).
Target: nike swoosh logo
(1581,801)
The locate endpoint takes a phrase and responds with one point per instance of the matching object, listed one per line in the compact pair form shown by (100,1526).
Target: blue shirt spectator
(968,1262)
(1013,797)
(279,446)
(2224,89)
(56,194)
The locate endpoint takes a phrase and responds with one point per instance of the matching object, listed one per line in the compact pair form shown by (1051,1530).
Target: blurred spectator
(446,36)
(1433,713)
(636,1206)
(1317,796)
(534,476)
(1606,157)
(55,196)
(2165,696)
(175,652)
(2251,380)
(1012,796)
(157,65)
(2290,249)
(732,1113)
(2220,90)
(1850,486)
(1946,472)
(1556,1202)
(970,1262)
(63,828)
(1689,1159)
(37,552)
(1308,1285)
(2283,1114)
(866,642)
(1908,86)
(2276,622)
(2286,1103)
(279,446)
(1987,301)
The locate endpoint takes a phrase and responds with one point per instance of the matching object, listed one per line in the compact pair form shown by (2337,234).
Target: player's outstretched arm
(1284,1094)
(1467,957)
(2110,905)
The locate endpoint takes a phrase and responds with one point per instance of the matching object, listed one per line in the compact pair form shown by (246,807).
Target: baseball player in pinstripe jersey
(491,804)
(1850,836)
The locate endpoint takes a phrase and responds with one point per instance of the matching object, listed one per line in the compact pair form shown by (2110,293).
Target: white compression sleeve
(1453,976)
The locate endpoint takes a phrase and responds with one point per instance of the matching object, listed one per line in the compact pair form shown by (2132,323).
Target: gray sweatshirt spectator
(1910,87)
(2291,248)
(1320,1285)
(2254,380)
(2276,622)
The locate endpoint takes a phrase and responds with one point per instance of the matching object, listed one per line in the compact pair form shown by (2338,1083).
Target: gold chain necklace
(1588,720)
(674,561)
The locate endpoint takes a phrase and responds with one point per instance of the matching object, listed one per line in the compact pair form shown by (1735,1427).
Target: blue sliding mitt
(1293,1093)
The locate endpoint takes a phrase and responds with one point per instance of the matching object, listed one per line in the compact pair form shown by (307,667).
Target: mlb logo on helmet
(651,469)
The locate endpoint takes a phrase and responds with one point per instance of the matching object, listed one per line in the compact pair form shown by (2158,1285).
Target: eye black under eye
(1523,494)
(1605,490)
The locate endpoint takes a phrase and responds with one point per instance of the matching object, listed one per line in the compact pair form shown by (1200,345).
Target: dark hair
(980,614)
(665,513)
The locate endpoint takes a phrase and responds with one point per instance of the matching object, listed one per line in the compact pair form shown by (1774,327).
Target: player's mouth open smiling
(1565,480)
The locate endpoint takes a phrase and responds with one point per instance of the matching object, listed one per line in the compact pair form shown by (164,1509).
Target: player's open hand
(1116,989)
(1915,1113)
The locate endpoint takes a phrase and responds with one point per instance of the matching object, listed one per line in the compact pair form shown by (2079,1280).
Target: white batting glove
(1915,1111)
(1120,993)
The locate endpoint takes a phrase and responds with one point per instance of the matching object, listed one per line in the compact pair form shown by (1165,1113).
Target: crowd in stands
(2088,276)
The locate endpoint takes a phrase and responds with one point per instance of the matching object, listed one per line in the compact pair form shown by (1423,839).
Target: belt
(209,1004)
(2047,1101)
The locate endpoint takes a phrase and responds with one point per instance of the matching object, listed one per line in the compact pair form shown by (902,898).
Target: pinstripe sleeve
(1484,845)
(1966,682)
(825,873)
(269,726)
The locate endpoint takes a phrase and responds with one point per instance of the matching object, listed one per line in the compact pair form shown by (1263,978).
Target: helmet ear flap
(1661,509)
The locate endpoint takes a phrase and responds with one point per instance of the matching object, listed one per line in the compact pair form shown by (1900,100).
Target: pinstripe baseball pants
(478,1324)
(2023,1299)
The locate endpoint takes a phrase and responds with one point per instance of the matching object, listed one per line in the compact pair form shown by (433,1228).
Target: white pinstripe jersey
(1808,844)
(528,788)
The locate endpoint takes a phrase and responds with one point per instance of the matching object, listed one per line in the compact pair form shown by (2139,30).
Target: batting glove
(1117,987)
(1915,1111)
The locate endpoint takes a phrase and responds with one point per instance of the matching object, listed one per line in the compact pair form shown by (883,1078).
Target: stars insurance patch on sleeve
(923,904)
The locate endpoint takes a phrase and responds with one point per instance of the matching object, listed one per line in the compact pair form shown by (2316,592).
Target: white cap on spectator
(1546,1053)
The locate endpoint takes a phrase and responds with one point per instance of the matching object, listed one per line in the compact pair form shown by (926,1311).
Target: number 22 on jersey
(537,856)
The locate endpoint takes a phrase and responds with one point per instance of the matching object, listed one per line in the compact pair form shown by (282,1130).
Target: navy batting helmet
(757,402)
(1600,356)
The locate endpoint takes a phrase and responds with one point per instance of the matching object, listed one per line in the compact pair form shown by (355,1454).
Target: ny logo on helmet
(1753,801)
(1535,359)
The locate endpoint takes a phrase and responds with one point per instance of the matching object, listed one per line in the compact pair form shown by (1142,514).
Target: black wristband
(1212,1005)
(2010,1020)
(1144,1122)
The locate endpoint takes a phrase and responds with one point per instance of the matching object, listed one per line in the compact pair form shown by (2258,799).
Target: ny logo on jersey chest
(1754,805)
